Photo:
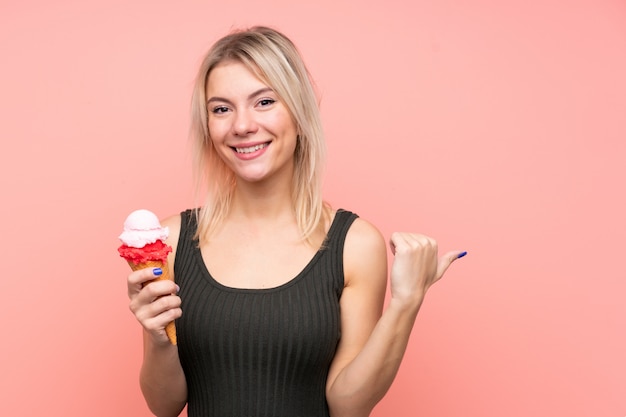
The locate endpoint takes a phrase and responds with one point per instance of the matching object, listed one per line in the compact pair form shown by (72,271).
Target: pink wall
(497,127)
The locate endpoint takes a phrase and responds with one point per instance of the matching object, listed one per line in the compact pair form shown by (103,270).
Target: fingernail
(177,289)
(462,254)
(157,271)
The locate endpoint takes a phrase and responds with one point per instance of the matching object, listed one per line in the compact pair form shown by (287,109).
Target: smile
(251,148)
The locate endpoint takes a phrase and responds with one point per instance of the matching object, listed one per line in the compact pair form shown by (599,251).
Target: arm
(372,346)
(161,377)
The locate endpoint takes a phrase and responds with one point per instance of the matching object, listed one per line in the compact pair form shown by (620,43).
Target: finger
(159,307)
(137,279)
(405,241)
(446,260)
(149,293)
(156,315)
(396,240)
(156,289)
(410,242)
(158,323)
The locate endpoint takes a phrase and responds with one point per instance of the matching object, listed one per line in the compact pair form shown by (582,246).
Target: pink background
(496,127)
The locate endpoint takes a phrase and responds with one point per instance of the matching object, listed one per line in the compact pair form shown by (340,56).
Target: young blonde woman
(278,298)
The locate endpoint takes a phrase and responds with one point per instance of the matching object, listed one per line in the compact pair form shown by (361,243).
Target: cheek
(282,120)
(215,129)
(215,154)
(288,127)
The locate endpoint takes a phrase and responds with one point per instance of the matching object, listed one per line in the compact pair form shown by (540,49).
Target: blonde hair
(274,59)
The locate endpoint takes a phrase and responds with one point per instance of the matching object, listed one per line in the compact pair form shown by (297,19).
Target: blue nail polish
(462,254)
(157,272)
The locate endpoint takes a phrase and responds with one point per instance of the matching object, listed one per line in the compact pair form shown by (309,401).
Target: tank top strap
(336,236)
(186,242)
(188,224)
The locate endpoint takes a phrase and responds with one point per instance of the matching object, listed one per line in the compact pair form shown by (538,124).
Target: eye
(265,102)
(219,109)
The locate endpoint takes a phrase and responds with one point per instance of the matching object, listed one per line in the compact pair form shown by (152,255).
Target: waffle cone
(170,329)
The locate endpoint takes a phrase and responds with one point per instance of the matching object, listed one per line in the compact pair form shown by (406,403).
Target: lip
(250,155)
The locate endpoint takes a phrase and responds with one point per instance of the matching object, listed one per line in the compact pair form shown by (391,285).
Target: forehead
(233,77)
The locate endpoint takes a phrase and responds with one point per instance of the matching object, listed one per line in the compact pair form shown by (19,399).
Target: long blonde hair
(274,59)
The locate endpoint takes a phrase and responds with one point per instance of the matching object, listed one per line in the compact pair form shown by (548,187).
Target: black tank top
(259,352)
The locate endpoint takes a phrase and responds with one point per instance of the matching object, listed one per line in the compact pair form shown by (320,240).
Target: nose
(244,123)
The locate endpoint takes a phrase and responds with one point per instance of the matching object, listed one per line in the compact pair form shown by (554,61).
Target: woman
(278,298)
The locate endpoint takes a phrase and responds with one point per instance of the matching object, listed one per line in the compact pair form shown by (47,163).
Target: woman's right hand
(154,303)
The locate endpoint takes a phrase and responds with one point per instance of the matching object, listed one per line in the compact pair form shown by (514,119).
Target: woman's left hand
(416,265)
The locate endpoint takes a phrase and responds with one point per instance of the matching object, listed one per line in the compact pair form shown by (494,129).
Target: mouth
(251,149)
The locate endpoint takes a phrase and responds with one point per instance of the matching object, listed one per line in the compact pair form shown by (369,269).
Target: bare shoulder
(365,251)
(173,223)
(364,236)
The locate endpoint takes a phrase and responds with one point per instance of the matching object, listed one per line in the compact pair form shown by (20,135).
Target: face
(251,129)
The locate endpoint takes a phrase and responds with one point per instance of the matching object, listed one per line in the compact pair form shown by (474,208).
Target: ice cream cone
(170,329)
(143,246)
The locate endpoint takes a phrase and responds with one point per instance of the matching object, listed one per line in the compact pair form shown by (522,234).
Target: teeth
(251,148)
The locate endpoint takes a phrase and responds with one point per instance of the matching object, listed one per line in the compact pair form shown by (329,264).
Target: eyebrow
(250,97)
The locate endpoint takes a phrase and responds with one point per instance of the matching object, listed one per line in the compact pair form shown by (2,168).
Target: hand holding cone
(144,247)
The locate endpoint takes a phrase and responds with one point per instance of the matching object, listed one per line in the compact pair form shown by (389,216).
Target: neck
(263,202)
